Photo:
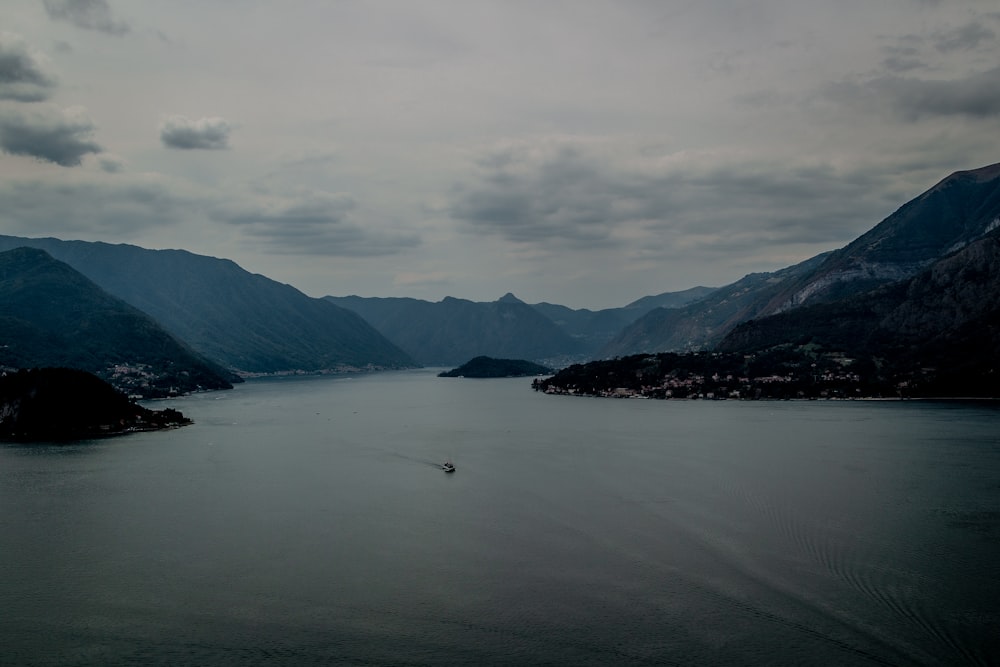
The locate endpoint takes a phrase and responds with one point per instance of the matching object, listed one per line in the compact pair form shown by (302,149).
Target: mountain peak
(987,173)
(981,175)
(509,298)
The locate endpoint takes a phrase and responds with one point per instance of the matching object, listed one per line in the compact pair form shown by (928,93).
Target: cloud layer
(582,195)
(312,223)
(587,154)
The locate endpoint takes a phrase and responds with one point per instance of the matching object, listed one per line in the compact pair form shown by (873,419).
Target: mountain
(595,329)
(669,299)
(939,329)
(452,331)
(243,321)
(701,324)
(958,210)
(51,315)
(936,334)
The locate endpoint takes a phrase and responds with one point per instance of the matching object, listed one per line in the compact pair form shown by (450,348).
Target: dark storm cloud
(314,225)
(23,77)
(912,98)
(53,135)
(568,197)
(186,134)
(86,14)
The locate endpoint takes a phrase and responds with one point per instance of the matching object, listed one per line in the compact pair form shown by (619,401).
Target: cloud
(204,133)
(24,76)
(903,57)
(310,223)
(90,204)
(86,14)
(573,195)
(911,98)
(111,164)
(48,133)
(964,38)
(552,192)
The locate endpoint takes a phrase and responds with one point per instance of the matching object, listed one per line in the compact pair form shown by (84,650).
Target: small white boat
(448,466)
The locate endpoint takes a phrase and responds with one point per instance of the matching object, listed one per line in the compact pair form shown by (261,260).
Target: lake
(306,521)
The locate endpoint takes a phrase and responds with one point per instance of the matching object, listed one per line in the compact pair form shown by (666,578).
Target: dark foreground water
(305,522)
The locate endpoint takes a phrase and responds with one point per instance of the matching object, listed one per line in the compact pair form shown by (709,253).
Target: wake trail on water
(861,570)
(721,572)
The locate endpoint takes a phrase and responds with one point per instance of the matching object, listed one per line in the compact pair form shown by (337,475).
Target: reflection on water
(307,521)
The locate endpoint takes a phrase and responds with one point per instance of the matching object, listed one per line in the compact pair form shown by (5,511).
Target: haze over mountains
(249,324)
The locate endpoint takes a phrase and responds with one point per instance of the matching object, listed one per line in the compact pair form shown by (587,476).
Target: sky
(574,152)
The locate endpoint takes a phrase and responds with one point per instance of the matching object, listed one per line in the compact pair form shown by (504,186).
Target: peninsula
(61,404)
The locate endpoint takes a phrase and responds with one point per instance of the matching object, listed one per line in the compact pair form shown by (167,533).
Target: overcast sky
(582,153)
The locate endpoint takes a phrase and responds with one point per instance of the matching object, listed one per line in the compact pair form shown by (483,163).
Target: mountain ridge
(243,321)
(52,315)
(452,330)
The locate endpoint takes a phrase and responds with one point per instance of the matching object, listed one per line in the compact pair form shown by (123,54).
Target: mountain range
(958,210)
(452,331)
(889,291)
(244,322)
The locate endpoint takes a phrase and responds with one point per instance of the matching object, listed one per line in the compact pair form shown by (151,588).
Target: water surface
(306,521)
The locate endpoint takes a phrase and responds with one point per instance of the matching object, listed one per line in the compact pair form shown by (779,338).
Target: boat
(448,466)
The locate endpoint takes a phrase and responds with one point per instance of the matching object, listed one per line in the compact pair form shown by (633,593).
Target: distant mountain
(488,367)
(669,299)
(595,329)
(940,328)
(51,315)
(243,321)
(701,324)
(960,209)
(451,331)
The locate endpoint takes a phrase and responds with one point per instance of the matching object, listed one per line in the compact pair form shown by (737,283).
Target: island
(487,367)
(65,404)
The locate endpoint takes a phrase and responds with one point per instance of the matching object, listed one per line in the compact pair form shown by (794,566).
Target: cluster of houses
(137,381)
(828,384)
